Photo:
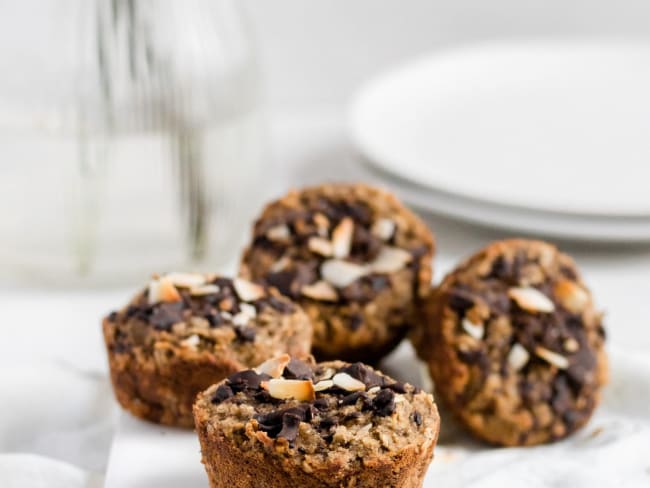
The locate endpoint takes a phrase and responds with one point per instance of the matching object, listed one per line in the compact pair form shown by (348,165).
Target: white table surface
(51,349)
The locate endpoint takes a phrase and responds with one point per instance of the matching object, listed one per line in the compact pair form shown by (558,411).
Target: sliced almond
(163,290)
(342,238)
(248,309)
(348,383)
(278,233)
(323,385)
(363,431)
(328,373)
(301,390)
(191,341)
(571,295)
(341,273)
(383,229)
(320,246)
(186,280)
(373,390)
(531,299)
(551,357)
(571,345)
(321,290)
(247,290)
(274,366)
(474,330)
(281,264)
(518,356)
(390,259)
(322,224)
(240,319)
(203,290)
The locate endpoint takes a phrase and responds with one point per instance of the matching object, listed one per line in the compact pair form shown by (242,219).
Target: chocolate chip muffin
(514,344)
(291,423)
(185,332)
(353,256)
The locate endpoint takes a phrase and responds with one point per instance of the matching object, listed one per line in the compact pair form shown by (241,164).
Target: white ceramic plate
(587,228)
(556,126)
(610,451)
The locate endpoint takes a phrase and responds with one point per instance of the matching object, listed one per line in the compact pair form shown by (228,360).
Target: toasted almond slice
(341,273)
(185,280)
(531,299)
(163,290)
(327,374)
(240,319)
(191,341)
(226,315)
(280,264)
(278,233)
(518,356)
(323,385)
(247,290)
(347,382)
(383,229)
(322,224)
(274,366)
(474,330)
(321,290)
(342,238)
(203,290)
(390,259)
(571,295)
(551,357)
(248,309)
(320,246)
(571,345)
(301,390)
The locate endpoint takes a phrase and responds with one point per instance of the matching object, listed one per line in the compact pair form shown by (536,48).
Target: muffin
(291,423)
(515,345)
(353,256)
(186,331)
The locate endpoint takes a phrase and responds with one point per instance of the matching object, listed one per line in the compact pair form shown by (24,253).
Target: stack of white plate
(544,137)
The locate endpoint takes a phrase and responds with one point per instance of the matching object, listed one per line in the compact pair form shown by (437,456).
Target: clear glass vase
(131,138)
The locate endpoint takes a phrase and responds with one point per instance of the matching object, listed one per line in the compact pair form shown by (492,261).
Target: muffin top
(205,313)
(338,243)
(331,412)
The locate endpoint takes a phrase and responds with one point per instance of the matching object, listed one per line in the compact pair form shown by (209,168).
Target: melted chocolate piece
(297,369)
(290,425)
(460,300)
(167,314)
(384,403)
(397,387)
(416,417)
(246,380)
(245,333)
(364,374)
(352,398)
(223,393)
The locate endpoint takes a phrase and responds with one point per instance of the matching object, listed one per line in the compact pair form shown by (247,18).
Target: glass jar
(131,138)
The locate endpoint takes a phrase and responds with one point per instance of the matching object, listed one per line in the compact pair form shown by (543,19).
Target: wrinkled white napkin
(56,426)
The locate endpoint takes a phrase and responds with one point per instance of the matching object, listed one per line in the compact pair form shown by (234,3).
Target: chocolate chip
(112,317)
(460,300)
(352,416)
(416,417)
(562,399)
(397,387)
(270,422)
(328,423)
(355,322)
(297,369)
(282,306)
(131,310)
(245,333)
(384,403)
(223,393)
(321,403)
(365,246)
(352,398)
(364,374)
(167,314)
(245,380)
(290,425)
